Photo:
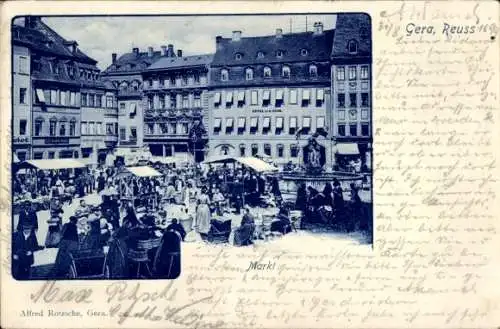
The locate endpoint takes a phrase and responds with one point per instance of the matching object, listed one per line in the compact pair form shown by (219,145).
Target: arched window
(255,149)
(238,56)
(52,126)
(285,72)
(352,47)
(313,71)
(303,52)
(224,75)
(267,149)
(124,85)
(279,53)
(260,54)
(249,74)
(242,150)
(267,72)
(224,150)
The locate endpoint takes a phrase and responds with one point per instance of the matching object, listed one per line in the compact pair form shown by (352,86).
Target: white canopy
(347,148)
(256,164)
(164,160)
(144,171)
(47,164)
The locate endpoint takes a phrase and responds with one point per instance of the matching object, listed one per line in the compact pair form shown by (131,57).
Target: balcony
(195,112)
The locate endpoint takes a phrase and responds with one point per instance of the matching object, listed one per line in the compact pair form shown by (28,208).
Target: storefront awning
(48,164)
(229,97)
(279,122)
(229,123)
(144,171)
(241,123)
(293,122)
(254,122)
(241,96)
(256,164)
(347,148)
(267,122)
(40,95)
(217,123)
(279,94)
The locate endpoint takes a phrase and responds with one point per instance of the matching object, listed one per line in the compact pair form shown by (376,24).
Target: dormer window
(249,74)
(352,47)
(224,75)
(279,53)
(313,71)
(267,72)
(304,52)
(285,72)
(260,54)
(238,56)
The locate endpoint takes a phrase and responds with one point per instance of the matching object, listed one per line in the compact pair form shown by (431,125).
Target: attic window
(238,56)
(352,46)
(260,54)
(224,75)
(303,52)
(267,72)
(279,53)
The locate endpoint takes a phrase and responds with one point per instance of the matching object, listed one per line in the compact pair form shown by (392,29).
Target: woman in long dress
(202,221)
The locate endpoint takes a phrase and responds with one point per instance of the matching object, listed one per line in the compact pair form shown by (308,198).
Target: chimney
(179,53)
(279,33)
(150,51)
(171,50)
(218,40)
(113,58)
(164,50)
(135,51)
(236,36)
(318,28)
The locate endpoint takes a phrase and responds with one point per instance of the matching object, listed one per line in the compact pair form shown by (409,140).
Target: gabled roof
(180,62)
(130,62)
(355,27)
(318,48)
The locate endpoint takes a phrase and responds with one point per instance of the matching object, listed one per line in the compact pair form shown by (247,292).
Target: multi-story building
(21,99)
(124,74)
(268,93)
(55,88)
(175,103)
(351,88)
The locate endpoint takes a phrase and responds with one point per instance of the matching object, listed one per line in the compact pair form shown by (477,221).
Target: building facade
(269,94)
(125,74)
(176,103)
(21,96)
(49,96)
(351,88)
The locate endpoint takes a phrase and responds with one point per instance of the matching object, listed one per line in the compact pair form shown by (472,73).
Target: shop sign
(56,140)
(267,111)
(21,140)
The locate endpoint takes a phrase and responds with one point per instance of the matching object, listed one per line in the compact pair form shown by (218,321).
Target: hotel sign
(21,140)
(57,140)
(267,111)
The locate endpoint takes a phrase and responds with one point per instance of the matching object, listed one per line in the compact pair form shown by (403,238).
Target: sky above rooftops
(98,37)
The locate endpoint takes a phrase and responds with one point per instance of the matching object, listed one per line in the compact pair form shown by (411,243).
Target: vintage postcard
(250,165)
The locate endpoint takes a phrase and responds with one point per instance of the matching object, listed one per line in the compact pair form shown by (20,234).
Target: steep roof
(356,27)
(131,62)
(180,62)
(318,48)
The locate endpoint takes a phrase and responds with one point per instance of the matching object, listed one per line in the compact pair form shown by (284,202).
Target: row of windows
(55,97)
(167,128)
(255,125)
(277,54)
(132,133)
(364,73)
(66,154)
(353,100)
(91,128)
(352,114)
(267,150)
(174,101)
(353,129)
(275,97)
(267,72)
(176,81)
(96,100)
(56,128)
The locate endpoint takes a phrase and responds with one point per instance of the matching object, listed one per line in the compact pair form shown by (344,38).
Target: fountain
(313,172)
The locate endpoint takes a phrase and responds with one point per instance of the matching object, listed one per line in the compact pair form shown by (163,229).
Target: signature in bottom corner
(182,315)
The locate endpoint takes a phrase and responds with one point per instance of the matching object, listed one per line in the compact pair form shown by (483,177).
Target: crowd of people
(137,208)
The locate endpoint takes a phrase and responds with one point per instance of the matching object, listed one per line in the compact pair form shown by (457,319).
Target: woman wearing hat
(202,220)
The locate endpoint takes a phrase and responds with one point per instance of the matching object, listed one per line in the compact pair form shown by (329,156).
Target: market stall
(126,177)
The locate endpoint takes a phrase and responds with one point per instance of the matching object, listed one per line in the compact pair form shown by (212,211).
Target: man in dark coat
(24,244)
(177,227)
(28,217)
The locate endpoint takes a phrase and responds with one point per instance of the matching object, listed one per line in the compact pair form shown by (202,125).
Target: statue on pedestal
(314,156)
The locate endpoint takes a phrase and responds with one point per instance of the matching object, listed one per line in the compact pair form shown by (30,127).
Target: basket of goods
(138,255)
(151,243)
